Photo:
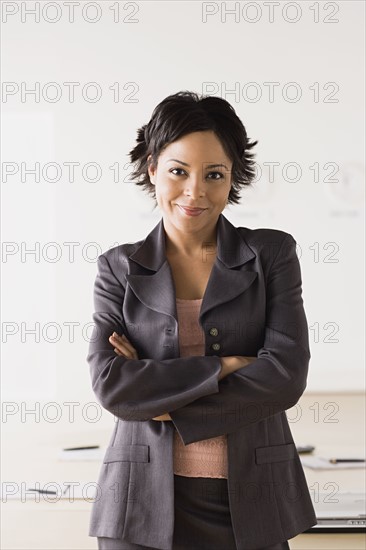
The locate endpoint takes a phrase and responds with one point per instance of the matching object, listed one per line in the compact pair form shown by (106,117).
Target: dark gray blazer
(252,306)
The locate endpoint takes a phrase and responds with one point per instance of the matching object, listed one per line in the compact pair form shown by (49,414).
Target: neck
(191,245)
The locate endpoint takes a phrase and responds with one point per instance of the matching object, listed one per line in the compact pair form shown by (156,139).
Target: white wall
(168,47)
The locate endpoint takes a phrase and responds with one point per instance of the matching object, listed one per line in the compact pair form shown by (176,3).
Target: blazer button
(216,347)
(214,331)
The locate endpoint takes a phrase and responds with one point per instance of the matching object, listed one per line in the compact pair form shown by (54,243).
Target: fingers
(123,346)
(117,341)
(126,343)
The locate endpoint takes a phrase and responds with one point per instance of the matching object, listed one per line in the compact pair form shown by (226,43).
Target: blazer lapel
(156,290)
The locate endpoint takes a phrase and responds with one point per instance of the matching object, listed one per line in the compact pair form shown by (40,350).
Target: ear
(151,170)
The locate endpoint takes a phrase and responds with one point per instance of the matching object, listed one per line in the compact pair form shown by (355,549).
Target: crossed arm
(198,406)
(228,364)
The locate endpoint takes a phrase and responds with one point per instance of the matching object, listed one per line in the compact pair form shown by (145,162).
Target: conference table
(333,423)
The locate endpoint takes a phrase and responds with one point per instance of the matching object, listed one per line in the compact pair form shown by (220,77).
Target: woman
(200,344)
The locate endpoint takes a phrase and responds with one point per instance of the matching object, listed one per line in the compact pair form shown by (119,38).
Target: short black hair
(185,112)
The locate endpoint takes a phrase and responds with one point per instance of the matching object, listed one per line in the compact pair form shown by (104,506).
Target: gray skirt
(202,518)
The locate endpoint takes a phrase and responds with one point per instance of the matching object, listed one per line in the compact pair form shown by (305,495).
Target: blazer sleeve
(139,389)
(274,381)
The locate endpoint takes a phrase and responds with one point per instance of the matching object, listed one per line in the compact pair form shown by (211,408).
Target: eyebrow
(208,165)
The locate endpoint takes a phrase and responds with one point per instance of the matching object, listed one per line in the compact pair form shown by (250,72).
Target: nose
(195,187)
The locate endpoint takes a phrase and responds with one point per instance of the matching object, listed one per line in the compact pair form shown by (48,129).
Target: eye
(172,170)
(221,176)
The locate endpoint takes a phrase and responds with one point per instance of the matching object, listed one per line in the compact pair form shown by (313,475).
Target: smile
(191,211)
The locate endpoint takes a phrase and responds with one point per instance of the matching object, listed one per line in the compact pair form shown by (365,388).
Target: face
(195,172)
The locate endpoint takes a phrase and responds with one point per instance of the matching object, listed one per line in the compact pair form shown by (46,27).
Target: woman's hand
(165,416)
(232,363)
(123,346)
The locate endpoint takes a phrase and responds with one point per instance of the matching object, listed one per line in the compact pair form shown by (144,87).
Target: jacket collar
(157,290)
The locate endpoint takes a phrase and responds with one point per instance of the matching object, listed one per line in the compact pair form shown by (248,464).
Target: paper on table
(321,463)
(83,454)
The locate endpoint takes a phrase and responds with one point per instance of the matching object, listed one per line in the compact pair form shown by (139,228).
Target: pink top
(206,458)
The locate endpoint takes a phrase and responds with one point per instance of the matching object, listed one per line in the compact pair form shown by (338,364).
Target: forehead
(196,145)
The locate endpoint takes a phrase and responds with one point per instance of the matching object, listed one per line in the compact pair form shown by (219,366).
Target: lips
(191,211)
